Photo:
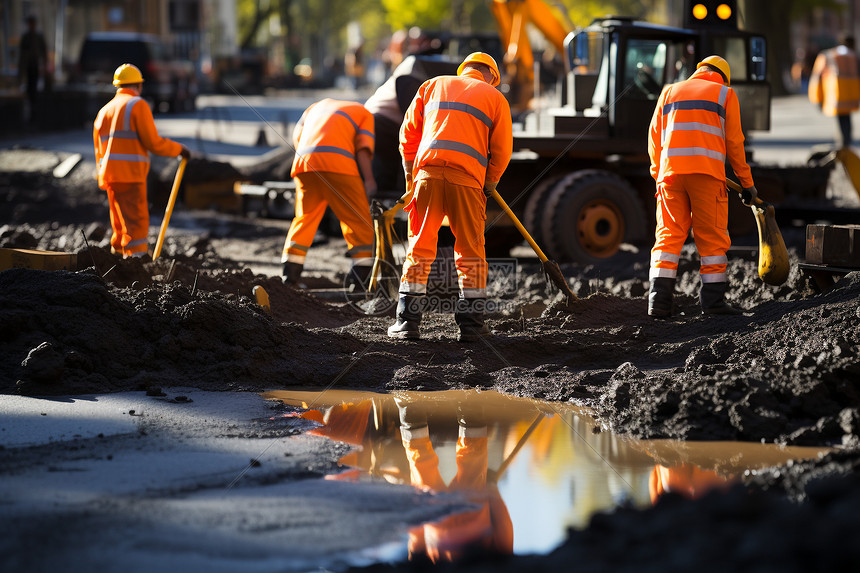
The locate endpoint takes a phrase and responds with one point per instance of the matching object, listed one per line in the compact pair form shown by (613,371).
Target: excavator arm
(512,17)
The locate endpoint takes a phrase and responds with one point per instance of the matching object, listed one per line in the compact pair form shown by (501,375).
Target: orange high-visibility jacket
(696,126)
(123,132)
(328,136)
(461,122)
(835,81)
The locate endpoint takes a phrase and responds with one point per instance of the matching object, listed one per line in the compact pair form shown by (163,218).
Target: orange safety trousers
(698,201)
(345,195)
(466,209)
(687,480)
(129,218)
(446,539)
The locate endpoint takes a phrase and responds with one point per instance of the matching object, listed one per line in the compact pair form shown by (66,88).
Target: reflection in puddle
(532,469)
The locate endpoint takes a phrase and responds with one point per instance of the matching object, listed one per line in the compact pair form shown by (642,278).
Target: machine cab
(618,67)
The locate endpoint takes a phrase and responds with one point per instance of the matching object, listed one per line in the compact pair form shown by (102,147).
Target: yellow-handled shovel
(550,268)
(383,233)
(773,265)
(180,171)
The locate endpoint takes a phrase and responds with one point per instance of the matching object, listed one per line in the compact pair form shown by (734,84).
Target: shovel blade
(773,264)
(554,273)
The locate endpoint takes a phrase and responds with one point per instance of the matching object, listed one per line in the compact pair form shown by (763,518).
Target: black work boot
(469,316)
(358,278)
(660,297)
(408,317)
(713,299)
(291,273)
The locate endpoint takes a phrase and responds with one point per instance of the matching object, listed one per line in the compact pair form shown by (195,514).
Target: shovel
(383,233)
(773,265)
(180,171)
(550,268)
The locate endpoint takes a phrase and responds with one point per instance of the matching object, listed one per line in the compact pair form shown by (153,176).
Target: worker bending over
(456,142)
(334,143)
(695,127)
(123,134)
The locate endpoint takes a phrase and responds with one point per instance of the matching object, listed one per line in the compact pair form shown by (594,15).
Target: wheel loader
(579,177)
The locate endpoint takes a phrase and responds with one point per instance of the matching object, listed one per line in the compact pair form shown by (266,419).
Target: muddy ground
(786,371)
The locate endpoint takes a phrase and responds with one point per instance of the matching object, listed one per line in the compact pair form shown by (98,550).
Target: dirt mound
(785,371)
(69,333)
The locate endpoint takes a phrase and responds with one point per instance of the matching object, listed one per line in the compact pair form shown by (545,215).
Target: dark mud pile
(786,371)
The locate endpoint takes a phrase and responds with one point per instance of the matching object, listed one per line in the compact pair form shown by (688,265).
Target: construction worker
(696,126)
(834,84)
(488,526)
(686,480)
(123,134)
(32,62)
(334,143)
(456,142)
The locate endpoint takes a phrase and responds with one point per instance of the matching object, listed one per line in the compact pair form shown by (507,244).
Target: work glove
(185,153)
(489,187)
(749,195)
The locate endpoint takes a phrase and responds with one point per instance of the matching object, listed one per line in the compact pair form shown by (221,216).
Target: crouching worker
(696,126)
(456,142)
(123,135)
(334,144)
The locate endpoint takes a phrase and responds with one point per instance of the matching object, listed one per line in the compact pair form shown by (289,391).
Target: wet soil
(786,371)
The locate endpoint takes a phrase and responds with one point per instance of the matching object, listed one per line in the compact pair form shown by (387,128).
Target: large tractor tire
(535,208)
(588,214)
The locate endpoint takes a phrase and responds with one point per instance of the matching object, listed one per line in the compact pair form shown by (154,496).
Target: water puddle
(533,469)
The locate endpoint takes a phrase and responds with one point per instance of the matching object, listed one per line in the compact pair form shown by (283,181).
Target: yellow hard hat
(127,74)
(482,58)
(718,63)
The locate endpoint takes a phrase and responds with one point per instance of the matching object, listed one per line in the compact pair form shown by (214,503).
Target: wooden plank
(38,260)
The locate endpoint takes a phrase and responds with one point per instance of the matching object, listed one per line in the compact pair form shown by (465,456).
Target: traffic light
(710,14)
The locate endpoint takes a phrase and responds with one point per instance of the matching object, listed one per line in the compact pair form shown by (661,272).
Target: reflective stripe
(120,134)
(664,256)
(342,113)
(409,434)
(413,288)
(324,149)
(293,258)
(355,125)
(724,93)
(688,151)
(473,292)
(715,260)
(662,273)
(296,246)
(129,105)
(126,157)
(136,243)
(479,432)
(464,107)
(695,126)
(713,277)
(455,146)
(138,254)
(695,104)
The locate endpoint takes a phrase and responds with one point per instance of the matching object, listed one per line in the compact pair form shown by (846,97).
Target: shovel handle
(543,258)
(736,187)
(170,202)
